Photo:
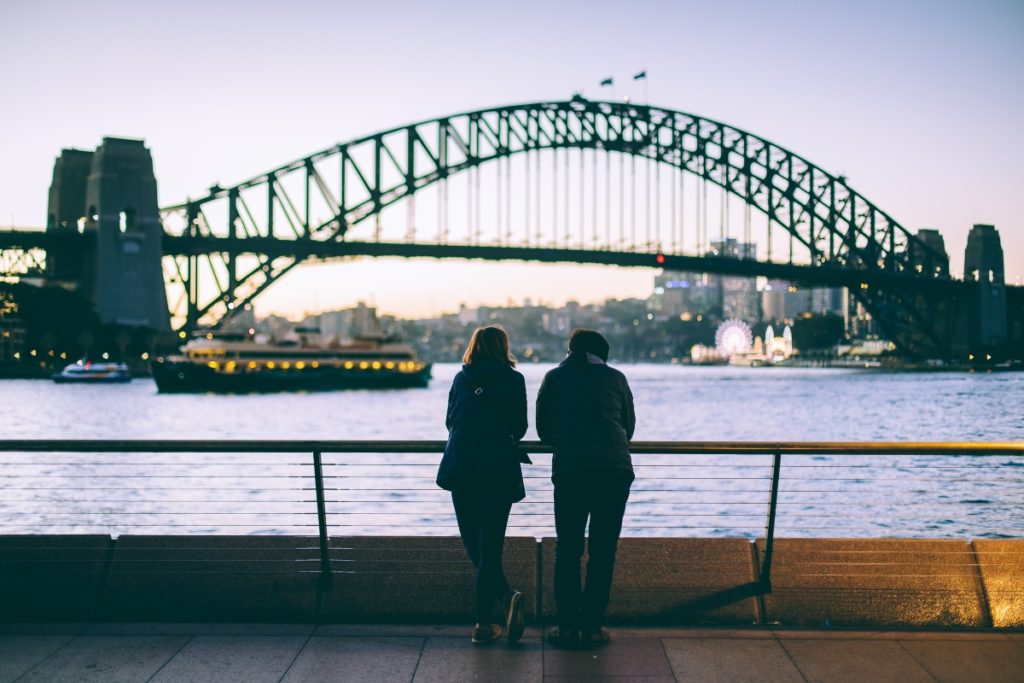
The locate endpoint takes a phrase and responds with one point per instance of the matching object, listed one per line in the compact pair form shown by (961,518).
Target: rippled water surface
(961,497)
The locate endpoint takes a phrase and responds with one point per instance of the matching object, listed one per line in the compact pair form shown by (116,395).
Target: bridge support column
(983,264)
(110,195)
(66,214)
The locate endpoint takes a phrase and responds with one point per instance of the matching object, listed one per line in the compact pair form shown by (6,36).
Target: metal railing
(350,488)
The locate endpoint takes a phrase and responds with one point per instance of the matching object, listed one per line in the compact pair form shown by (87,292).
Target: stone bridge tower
(983,263)
(66,213)
(122,274)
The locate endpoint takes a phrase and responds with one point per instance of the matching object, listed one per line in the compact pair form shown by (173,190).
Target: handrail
(431,446)
(317,448)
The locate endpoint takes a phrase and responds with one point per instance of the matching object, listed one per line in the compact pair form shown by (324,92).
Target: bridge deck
(306,652)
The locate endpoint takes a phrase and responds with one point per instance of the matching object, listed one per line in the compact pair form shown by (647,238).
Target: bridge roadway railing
(696,498)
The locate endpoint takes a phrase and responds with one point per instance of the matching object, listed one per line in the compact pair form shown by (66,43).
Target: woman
(481,467)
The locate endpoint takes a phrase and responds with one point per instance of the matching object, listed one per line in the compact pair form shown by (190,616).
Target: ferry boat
(236,363)
(87,372)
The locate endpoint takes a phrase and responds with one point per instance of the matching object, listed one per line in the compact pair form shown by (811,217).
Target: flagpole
(609,82)
(642,76)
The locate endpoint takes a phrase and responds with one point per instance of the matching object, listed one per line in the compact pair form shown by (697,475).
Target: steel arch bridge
(330,203)
(224,248)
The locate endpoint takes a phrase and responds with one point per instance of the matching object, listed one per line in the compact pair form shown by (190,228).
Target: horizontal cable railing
(334,489)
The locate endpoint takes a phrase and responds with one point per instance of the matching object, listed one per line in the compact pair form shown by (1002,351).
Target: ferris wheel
(733,337)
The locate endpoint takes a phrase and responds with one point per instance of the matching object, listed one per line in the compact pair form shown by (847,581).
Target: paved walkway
(303,652)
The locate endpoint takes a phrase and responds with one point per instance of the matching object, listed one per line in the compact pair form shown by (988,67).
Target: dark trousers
(482,522)
(601,497)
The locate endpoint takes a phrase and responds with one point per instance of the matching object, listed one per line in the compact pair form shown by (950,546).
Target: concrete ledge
(1001,563)
(213,578)
(866,583)
(52,577)
(674,581)
(874,582)
(413,579)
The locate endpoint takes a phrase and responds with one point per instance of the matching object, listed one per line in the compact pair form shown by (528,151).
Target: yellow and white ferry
(233,363)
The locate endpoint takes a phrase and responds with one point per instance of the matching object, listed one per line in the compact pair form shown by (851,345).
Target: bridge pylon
(983,264)
(110,197)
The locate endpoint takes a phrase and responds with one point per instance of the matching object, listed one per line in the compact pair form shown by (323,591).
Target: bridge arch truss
(228,246)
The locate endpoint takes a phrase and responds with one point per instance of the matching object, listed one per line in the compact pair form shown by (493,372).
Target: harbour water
(955,497)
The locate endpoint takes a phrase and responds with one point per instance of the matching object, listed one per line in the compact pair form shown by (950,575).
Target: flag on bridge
(607,81)
(640,76)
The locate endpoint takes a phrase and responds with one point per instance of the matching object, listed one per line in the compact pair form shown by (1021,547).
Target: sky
(919,103)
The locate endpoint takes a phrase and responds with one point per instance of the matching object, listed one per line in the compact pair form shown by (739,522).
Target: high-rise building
(781,300)
(859,323)
(828,300)
(686,295)
(740,298)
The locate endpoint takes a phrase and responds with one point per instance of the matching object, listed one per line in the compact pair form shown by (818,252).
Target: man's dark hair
(589,341)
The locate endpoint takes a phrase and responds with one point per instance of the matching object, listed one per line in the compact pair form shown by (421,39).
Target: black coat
(486,419)
(585,411)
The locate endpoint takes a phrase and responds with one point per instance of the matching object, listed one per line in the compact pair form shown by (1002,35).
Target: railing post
(769,540)
(321,516)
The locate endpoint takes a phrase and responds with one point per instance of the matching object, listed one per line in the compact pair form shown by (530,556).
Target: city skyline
(890,109)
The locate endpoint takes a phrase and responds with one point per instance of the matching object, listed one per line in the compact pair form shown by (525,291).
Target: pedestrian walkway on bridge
(307,652)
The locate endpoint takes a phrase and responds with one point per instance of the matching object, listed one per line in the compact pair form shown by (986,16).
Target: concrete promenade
(307,652)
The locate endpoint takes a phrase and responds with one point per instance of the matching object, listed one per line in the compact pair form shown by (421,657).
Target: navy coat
(585,411)
(486,419)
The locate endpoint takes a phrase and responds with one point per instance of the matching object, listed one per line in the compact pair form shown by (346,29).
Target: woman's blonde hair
(489,343)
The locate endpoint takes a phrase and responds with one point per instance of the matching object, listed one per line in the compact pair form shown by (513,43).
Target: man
(585,411)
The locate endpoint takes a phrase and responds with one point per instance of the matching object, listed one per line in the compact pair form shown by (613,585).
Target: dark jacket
(585,411)
(486,419)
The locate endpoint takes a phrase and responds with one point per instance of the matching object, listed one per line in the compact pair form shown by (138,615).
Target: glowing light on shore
(733,337)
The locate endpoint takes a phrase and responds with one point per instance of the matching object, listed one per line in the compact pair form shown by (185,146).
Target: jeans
(601,496)
(482,521)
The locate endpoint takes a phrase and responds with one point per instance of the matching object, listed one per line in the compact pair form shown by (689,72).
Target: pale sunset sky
(920,103)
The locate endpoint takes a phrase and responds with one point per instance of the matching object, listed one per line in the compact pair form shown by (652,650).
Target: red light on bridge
(660,258)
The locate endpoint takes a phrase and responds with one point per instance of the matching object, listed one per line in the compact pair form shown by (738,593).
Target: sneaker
(514,621)
(564,640)
(485,633)
(598,638)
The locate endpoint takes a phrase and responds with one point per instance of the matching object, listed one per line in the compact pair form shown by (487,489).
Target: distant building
(686,295)
(468,316)
(365,323)
(859,323)
(12,339)
(781,301)
(740,298)
(778,348)
(335,326)
(828,300)
(557,321)
(241,321)
(275,326)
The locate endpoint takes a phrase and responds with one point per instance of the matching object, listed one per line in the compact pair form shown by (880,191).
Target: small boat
(87,372)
